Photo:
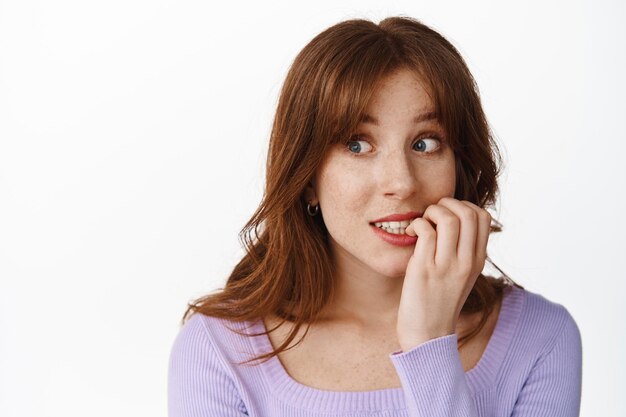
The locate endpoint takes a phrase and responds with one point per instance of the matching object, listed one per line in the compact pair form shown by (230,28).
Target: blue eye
(356,146)
(426,145)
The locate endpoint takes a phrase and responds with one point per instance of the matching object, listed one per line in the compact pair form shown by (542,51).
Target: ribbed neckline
(298,395)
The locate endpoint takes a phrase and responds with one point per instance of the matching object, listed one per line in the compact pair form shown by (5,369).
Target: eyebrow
(417,119)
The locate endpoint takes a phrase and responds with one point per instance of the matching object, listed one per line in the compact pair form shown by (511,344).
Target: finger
(426,240)
(484,229)
(447,228)
(468,229)
(409,230)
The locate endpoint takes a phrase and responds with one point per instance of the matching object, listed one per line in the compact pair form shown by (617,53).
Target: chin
(396,269)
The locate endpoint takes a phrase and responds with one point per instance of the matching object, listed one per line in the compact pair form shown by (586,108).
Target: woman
(367,253)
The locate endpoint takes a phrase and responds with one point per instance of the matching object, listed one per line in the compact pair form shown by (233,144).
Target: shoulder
(193,342)
(543,322)
(207,336)
(194,332)
(201,376)
(544,364)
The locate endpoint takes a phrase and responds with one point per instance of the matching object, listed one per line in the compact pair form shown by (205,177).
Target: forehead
(419,118)
(401,95)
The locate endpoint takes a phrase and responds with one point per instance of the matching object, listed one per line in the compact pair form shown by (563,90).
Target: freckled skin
(389,176)
(378,304)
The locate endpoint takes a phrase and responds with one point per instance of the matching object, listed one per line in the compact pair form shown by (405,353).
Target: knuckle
(451,220)
(420,222)
(470,204)
(469,215)
(430,209)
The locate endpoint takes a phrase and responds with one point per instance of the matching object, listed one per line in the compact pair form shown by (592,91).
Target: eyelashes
(354,144)
(434,141)
(426,144)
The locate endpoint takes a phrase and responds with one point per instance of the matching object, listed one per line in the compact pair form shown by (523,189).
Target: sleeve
(435,360)
(553,387)
(198,383)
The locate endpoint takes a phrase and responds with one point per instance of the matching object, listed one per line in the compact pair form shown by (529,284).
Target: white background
(133,136)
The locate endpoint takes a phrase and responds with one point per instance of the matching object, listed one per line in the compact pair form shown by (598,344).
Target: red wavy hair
(287,268)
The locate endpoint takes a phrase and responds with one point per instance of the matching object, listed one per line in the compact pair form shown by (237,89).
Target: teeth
(394,225)
(395,231)
(397,228)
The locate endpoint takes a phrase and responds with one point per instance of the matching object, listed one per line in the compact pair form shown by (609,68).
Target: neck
(363,297)
(367,300)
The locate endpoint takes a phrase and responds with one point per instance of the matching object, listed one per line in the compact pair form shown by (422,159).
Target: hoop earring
(314,212)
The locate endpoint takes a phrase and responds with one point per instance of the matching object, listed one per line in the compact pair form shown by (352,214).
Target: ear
(310,196)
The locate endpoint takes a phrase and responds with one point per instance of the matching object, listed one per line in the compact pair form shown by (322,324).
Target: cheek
(449,181)
(343,193)
(443,176)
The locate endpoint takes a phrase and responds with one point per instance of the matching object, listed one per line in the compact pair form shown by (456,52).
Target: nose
(398,176)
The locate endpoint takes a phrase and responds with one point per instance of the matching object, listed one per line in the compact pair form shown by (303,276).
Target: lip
(396,240)
(397,217)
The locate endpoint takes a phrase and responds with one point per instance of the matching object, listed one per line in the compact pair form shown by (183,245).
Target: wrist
(408,343)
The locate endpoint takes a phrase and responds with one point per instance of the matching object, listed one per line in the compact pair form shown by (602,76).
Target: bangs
(352,78)
(350,87)
(333,79)
(360,54)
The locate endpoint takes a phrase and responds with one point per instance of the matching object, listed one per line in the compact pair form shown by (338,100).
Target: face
(396,162)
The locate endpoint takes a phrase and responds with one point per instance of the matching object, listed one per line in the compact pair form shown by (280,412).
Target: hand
(442,270)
